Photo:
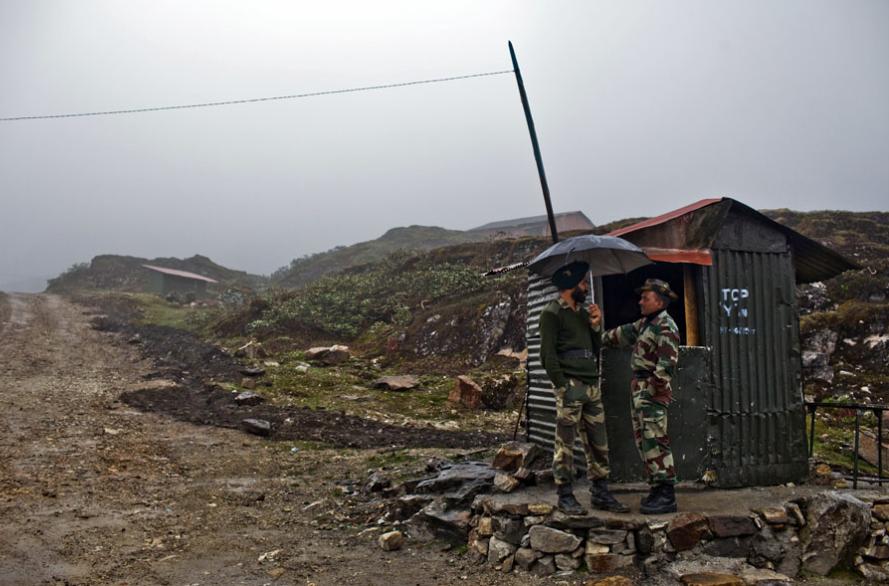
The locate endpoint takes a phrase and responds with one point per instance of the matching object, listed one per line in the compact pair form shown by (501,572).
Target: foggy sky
(640,107)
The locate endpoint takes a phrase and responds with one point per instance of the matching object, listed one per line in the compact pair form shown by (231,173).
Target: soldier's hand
(595,316)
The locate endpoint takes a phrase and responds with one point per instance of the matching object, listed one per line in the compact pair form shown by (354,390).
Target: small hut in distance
(166,281)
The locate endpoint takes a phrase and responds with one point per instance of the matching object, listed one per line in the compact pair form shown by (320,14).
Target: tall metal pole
(540,171)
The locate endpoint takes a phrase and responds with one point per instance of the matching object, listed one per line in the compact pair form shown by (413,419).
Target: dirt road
(93,491)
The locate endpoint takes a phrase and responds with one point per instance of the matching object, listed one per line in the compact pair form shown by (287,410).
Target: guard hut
(165,281)
(737,416)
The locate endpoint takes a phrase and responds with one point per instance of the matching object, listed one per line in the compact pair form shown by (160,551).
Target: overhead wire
(256,100)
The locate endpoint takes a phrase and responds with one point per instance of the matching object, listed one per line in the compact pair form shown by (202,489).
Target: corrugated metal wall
(541,404)
(757,424)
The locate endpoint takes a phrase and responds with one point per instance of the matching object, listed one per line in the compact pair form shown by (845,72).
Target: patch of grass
(833,445)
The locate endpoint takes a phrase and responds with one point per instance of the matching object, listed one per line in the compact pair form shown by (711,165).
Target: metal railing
(859,408)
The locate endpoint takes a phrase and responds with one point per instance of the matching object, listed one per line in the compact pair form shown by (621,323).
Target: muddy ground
(116,468)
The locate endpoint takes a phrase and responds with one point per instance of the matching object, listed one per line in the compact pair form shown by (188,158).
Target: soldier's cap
(660,287)
(569,275)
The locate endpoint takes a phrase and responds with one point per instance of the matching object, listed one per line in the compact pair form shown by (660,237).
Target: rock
(451,525)
(796,515)
(525,557)
(774,515)
(498,392)
(248,383)
(878,551)
(540,508)
(456,476)
(377,482)
(549,540)
(499,550)
(607,563)
(391,541)
(763,577)
(136,339)
(509,530)
(402,382)
(729,547)
(478,544)
(836,526)
(485,526)
(466,392)
(609,581)
(596,548)
(514,455)
(302,368)
(563,521)
(248,398)
(405,507)
(606,536)
(873,573)
(545,566)
(881,511)
(686,530)
(711,579)
(644,541)
(731,525)
(252,371)
(507,565)
(505,482)
(257,426)
(566,563)
(330,356)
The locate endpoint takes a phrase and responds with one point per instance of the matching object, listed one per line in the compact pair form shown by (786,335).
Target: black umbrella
(606,255)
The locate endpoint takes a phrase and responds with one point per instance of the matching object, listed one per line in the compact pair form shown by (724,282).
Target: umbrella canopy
(606,255)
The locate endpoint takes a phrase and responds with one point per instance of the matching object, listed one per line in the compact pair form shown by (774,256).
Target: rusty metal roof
(686,234)
(178,273)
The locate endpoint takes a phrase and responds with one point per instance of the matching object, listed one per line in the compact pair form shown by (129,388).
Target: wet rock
(837,525)
(403,382)
(566,563)
(731,525)
(686,530)
(711,579)
(606,536)
(514,455)
(257,426)
(549,540)
(450,525)
(509,530)
(525,557)
(466,392)
(248,398)
(607,563)
(545,566)
(391,541)
(499,550)
(505,482)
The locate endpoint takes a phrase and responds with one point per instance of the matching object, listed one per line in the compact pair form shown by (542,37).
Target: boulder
(257,426)
(402,382)
(466,392)
(731,525)
(514,455)
(330,356)
(686,530)
(391,541)
(549,540)
(248,398)
(836,526)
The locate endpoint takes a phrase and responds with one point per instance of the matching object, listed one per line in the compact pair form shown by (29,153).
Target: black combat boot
(652,493)
(602,499)
(567,503)
(663,501)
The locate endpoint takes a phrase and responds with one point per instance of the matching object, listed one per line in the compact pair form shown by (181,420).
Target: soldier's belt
(578,353)
(642,374)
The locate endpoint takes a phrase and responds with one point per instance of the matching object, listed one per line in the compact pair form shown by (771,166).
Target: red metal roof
(665,217)
(695,256)
(183,274)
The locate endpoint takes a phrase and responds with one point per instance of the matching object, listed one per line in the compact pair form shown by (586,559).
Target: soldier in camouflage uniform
(569,351)
(655,343)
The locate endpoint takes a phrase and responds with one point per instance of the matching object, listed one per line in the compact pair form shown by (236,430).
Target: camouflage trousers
(579,405)
(650,430)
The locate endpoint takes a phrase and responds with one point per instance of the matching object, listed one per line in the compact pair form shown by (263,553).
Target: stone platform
(760,535)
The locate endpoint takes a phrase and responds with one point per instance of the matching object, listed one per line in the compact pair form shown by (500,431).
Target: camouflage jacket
(655,342)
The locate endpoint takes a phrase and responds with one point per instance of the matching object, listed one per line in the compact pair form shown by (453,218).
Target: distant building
(537,225)
(165,281)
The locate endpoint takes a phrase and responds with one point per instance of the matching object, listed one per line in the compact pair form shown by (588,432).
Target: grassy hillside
(125,273)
